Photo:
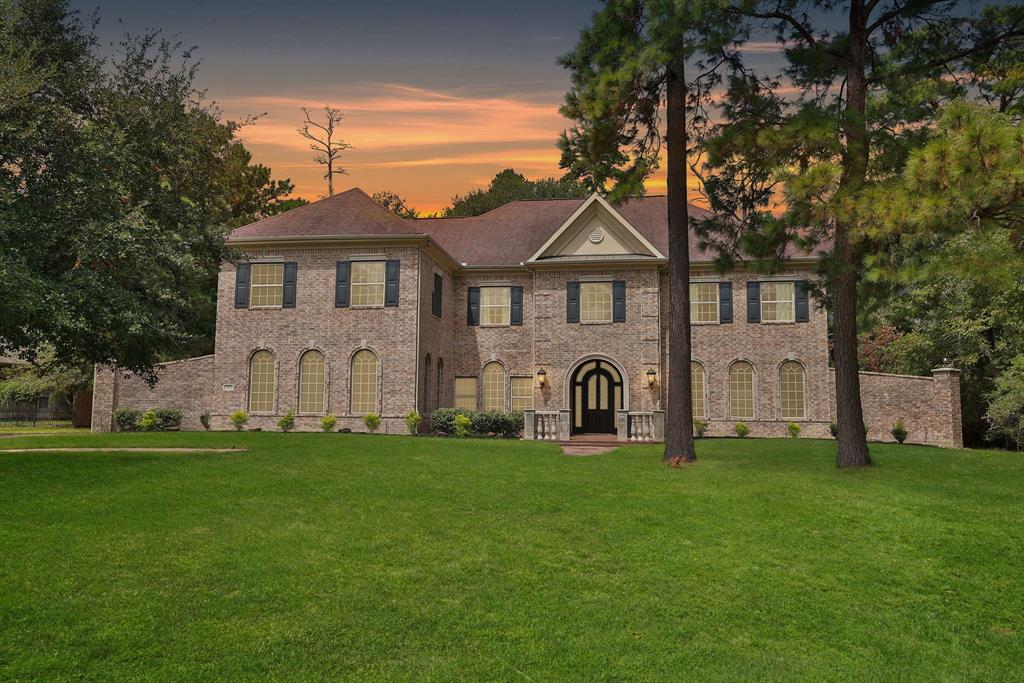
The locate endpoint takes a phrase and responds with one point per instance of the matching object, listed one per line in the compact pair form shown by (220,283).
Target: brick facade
(420,354)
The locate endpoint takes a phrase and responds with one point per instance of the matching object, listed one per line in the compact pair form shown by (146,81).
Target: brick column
(946,399)
(104,395)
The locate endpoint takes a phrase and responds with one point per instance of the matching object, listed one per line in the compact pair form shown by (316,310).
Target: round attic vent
(597,235)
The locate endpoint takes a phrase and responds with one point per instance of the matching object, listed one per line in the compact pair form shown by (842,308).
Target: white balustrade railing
(545,425)
(641,426)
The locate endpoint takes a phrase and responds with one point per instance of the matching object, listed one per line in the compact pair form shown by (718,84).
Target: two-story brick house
(555,307)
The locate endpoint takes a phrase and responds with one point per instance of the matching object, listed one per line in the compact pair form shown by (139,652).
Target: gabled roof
(597,217)
(506,236)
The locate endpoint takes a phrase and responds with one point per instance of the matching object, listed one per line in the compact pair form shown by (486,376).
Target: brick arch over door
(567,382)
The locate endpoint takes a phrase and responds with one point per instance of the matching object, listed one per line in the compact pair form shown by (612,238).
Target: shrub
(833,429)
(205,420)
(443,419)
(239,418)
(462,425)
(412,422)
(899,431)
(147,422)
(167,418)
(127,419)
(372,422)
(1005,413)
(505,425)
(327,423)
(794,430)
(700,427)
(741,429)
(287,423)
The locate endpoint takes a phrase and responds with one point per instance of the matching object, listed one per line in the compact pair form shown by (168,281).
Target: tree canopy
(118,183)
(508,186)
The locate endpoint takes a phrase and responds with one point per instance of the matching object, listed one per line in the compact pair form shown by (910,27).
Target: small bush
(412,422)
(287,423)
(127,419)
(205,420)
(700,427)
(833,429)
(147,422)
(239,418)
(741,429)
(372,422)
(167,419)
(794,430)
(443,419)
(328,422)
(462,425)
(899,431)
(505,425)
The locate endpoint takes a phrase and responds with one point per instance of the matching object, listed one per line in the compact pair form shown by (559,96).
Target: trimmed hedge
(505,425)
(159,420)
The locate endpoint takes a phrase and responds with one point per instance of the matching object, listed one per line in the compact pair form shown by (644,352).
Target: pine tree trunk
(679,415)
(853,447)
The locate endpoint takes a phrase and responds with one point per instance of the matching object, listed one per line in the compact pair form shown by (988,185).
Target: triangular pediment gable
(596,230)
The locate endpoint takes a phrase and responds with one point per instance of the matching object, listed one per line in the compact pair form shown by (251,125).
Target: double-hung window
(595,302)
(267,289)
(465,393)
(495,306)
(368,283)
(522,393)
(704,302)
(778,302)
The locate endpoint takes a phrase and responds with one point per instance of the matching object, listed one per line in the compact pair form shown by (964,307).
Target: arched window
(364,383)
(494,386)
(741,390)
(261,382)
(428,370)
(791,391)
(440,381)
(311,382)
(697,387)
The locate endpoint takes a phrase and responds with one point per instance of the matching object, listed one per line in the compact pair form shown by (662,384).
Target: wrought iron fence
(44,411)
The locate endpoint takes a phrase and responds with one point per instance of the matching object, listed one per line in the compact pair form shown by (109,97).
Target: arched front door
(595,396)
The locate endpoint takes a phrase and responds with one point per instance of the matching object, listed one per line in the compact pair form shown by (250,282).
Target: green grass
(332,556)
(29,429)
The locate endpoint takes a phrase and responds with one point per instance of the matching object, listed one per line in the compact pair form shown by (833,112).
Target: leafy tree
(117,186)
(393,202)
(628,73)
(508,186)
(797,168)
(1005,412)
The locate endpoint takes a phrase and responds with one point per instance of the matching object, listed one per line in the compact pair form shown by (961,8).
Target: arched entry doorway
(595,393)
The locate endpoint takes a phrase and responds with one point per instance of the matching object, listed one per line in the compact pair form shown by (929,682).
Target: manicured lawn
(343,556)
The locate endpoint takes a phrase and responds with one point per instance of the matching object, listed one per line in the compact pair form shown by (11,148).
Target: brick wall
(435,339)
(928,406)
(183,385)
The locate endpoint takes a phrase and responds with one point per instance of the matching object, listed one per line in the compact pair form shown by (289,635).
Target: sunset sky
(437,96)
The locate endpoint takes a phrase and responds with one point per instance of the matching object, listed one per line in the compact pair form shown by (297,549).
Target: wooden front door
(596,393)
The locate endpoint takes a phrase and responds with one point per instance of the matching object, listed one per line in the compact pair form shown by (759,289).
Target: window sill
(706,322)
(366,306)
(266,308)
(493,326)
(596,322)
(778,322)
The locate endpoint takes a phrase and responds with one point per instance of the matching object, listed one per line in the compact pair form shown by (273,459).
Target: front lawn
(369,557)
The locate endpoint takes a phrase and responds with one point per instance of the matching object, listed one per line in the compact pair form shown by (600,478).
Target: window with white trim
(595,302)
(494,387)
(495,306)
(791,391)
(311,382)
(741,390)
(267,288)
(704,302)
(363,392)
(368,283)
(778,302)
(697,388)
(261,382)
(465,393)
(522,393)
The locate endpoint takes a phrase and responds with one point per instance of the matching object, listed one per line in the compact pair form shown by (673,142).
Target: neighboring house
(555,307)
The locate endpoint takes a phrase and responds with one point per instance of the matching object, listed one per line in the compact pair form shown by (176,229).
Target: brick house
(558,308)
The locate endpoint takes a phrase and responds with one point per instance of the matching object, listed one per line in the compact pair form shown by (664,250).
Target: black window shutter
(753,302)
(800,292)
(725,302)
(473,306)
(242,285)
(391,273)
(291,271)
(572,302)
(619,301)
(438,288)
(341,284)
(516,316)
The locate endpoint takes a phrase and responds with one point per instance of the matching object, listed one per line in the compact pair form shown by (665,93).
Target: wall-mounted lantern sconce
(542,378)
(651,377)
